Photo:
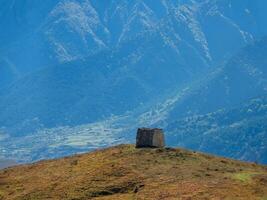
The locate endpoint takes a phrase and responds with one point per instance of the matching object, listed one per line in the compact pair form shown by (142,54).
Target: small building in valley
(150,138)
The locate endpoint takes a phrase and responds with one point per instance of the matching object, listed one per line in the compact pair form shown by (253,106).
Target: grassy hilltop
(123,172)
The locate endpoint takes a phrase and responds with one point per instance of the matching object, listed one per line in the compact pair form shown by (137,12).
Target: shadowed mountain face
(239,133)
(225,112)
(241,78)
(86,63)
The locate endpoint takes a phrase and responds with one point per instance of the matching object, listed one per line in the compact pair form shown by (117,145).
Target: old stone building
(147,137)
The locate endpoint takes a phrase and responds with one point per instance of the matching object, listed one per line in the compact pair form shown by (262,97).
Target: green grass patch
(244,176)
(1,195)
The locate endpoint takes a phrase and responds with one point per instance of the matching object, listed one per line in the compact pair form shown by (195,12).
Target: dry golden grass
(124,172)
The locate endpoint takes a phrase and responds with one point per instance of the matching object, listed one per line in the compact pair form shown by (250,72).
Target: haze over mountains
(6,163)
(82,74)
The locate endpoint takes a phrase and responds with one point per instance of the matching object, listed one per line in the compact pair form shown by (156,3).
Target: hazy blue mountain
(6,163)
(154,45)
(242,77)
(217,114)
(218,104)
(238,133)
(88,66)
(39,33)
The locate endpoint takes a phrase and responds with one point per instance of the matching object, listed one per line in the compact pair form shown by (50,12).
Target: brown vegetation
(124,172)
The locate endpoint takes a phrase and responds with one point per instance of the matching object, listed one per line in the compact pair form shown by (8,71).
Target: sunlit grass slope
(123,172)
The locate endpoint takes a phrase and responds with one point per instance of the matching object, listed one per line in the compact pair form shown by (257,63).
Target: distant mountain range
(238,133)
(226,112)
(84,68)
(6,163)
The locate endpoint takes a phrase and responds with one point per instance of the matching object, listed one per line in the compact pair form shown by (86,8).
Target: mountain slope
(69,67)
(124,172)
(241,78)
(226,108)
(154,46)
(238,133)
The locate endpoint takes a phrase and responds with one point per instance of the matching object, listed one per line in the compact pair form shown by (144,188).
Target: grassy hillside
(124,172)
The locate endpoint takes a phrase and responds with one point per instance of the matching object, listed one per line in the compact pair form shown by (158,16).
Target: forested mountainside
(238,133)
